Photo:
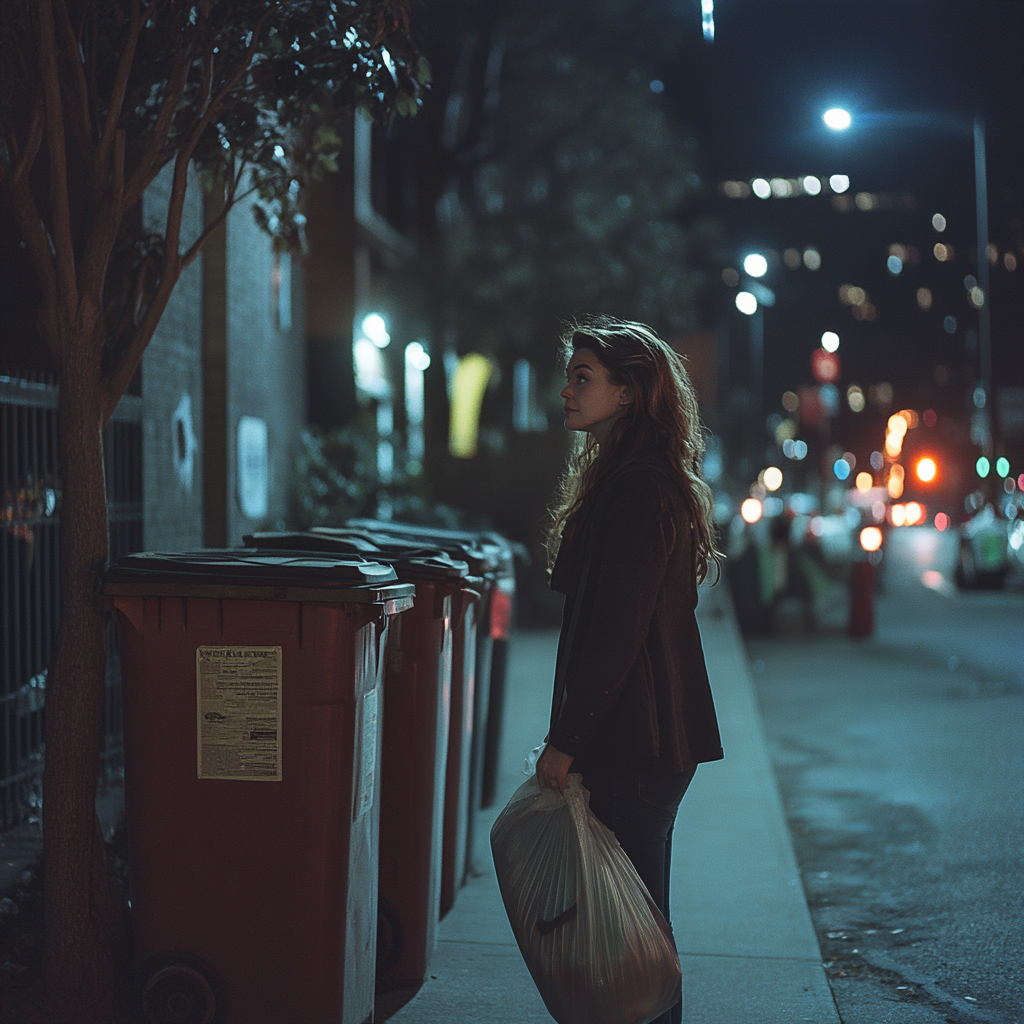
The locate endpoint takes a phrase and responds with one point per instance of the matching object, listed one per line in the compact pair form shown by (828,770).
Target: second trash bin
(464,843)
(415,744)
(251,691)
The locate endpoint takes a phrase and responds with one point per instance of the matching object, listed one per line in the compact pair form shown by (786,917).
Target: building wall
(265,367)
(172,393)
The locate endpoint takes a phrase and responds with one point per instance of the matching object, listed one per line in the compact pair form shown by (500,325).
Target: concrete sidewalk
(747,947)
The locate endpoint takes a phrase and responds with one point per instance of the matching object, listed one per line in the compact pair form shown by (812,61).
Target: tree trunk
(83,914)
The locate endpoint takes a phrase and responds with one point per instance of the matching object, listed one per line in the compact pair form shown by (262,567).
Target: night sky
(909,72)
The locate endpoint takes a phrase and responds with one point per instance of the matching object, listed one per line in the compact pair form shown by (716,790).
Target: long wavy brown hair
(661,424)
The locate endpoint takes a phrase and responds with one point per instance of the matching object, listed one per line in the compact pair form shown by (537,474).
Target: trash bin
(464,843)
(416,715)
(501,620)
(251,686)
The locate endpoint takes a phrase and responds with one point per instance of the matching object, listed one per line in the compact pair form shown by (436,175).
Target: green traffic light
(982,466)
(1003,467)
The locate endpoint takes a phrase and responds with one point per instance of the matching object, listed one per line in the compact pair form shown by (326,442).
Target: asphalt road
(901,764)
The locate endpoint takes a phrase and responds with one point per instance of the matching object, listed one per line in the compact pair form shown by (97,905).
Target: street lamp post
(838,119)
(985,310)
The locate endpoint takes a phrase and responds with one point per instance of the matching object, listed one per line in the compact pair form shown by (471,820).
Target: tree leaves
(570,185)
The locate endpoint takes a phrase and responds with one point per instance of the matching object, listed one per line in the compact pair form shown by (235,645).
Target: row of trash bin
(311,724)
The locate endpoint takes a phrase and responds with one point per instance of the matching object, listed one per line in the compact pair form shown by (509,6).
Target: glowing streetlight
(837,119)
(376,330)
(755,265)
(746,303)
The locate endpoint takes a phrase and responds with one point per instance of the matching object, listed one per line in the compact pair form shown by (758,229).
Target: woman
(631,538)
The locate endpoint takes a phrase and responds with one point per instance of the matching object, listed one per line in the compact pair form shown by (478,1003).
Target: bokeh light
(941,521)
(837,119)
(926,470)
(871,538)
(751,510)
(772,478)
(746,303)
(755,265)
(864,482)
(830,341)
(915,513)
(376,330)
(812,259)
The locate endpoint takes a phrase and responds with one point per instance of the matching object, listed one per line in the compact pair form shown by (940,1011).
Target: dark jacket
(636,687)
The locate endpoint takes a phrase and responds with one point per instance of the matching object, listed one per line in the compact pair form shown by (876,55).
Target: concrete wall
(172,393)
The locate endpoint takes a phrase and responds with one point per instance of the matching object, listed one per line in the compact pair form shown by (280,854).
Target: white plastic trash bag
(598,948)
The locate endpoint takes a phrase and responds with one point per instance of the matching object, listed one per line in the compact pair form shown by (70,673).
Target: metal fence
(30,577)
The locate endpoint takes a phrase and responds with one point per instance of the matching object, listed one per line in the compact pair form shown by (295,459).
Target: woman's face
(592,402)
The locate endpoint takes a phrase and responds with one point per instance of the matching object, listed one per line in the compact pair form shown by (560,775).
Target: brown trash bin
(415,745)
(251,688)
(464,842)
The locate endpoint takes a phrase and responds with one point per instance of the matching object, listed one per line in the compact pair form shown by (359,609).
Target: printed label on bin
(367,756)
(238,713)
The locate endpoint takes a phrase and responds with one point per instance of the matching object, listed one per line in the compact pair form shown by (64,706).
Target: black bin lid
(257,574)
(413,560)
(483,558)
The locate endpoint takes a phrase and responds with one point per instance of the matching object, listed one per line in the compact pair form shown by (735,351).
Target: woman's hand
(552,768)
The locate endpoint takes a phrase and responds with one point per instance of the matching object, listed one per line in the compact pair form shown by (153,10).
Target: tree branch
(114,385)
(150,162)
(105,227)
(81,123)
(63,246)
(124,67)
(25,160)
(214,104)
(196,247)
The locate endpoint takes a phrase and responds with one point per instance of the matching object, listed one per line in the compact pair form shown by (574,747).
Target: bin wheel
(179,988)
(390,936)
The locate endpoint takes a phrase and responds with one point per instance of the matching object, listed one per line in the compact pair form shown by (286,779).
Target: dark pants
(640,808)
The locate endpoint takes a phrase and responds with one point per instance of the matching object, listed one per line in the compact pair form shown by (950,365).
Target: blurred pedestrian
(631,538)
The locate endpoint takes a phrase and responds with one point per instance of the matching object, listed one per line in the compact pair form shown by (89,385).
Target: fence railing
(30,499)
